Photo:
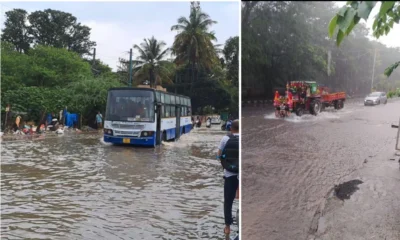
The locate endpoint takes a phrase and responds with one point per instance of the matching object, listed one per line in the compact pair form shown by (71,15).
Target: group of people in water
(197,123)
(25,128)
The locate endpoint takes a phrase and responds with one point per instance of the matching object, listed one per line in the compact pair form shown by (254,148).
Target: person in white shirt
(231,184)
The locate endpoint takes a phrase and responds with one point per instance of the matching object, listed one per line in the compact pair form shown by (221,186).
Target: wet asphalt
(321,177)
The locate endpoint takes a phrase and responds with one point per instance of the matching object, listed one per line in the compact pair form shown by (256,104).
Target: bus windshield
(130,105)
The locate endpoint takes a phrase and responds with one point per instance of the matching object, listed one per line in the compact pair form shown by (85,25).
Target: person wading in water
(228,153)
(99,120)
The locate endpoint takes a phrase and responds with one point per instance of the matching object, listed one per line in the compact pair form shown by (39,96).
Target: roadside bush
(395,93)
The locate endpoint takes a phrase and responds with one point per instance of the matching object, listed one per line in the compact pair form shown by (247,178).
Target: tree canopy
(151,63)
(49,28)
(350,15)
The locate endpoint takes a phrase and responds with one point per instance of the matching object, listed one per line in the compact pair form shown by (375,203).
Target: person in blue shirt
(99,120)
(228,125)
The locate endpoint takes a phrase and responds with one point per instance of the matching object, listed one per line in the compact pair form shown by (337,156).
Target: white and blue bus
(145,116)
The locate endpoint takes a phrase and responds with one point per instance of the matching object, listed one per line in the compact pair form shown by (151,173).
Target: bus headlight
(108,131)
(147,133)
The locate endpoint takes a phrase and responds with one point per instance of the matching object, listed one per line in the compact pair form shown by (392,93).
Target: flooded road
(289,168)
(78,187)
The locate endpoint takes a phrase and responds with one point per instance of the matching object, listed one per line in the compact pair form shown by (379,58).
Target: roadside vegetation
(48,65)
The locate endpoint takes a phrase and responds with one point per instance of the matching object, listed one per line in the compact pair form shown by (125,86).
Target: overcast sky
(117,26)
(392,39)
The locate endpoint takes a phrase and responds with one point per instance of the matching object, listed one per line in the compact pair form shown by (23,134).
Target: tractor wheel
(299,112)
(315,107)
(336,105)
(322,107)
(341,104)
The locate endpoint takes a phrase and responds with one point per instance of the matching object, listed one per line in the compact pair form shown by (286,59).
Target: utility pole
(373,72)
(130,68)
(94,57)
(176,83)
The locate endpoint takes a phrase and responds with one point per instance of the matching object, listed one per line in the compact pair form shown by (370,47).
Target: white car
(375,98)
(215,120)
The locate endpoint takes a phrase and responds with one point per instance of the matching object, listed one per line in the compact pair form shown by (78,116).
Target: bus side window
(167,111)
(172,99)
(158,96)
(173,111)
(163,111)
(167,98)
(162,98)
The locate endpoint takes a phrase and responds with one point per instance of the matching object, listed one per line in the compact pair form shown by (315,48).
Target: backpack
(230,154)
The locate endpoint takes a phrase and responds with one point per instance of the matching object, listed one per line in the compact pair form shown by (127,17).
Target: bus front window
(130,105)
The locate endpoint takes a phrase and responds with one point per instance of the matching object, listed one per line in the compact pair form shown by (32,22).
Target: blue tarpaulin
(71,119)
(49,118)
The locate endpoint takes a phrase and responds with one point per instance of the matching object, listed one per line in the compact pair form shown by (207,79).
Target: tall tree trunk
(152,77)
(193,79)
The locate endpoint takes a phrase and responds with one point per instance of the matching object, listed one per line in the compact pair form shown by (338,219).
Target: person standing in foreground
(228,153)
(99,120)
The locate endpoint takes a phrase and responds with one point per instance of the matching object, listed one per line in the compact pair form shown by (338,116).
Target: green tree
(51,67)
(151,63)
(60,29)
(15,67)
(350,15)
(50,28)
(42,66)
(193,45)
(36,100)
(90,94)
(99,67)
(231,55)
(16,30)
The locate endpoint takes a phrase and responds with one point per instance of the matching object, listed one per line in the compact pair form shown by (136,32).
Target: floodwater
(290,168)
(76,186)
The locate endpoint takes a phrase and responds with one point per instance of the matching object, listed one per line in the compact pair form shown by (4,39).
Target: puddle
(345,190)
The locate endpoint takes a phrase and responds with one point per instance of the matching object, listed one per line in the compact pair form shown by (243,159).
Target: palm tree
(193,44)
(150,64)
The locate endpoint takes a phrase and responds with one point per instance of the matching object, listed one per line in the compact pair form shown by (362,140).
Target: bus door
(178,122)
(158,125)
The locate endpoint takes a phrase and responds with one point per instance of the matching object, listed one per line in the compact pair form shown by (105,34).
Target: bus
(145,116)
